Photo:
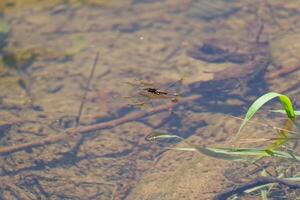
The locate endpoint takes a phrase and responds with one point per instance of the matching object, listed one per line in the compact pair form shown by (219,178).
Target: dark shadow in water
(4,130)
(258,85)
(132,28)
(66,160)
(34,186)
(210,10)
(216,92)
(145,1)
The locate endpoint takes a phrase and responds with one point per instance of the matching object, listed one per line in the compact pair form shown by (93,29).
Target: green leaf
(183,148)
(297,112)
(288,106)
(160,136)
(238,154)
(258,188)
(211,153)
(255,152)
(243,151)
(296,178)
(264,194)
(285,101)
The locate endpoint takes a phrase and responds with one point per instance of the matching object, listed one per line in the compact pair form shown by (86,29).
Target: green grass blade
(296,178)
(287,106)
(219,155)
(255,152)
(263,193)
(297,112)
(238,154)
(183,148)
(242,151)
(258,188)
(285,101)
(211,153)
(155,136)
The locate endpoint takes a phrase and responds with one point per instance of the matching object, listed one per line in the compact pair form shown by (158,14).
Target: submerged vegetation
(283,148)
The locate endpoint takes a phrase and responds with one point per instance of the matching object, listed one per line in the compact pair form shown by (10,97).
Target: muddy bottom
(74,127)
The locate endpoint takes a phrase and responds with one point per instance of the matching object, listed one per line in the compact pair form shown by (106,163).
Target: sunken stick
(71,132)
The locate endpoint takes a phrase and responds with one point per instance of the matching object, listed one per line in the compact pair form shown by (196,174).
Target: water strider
(155,91)
(150,92)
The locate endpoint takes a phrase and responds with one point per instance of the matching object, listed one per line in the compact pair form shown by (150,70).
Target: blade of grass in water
(264,189)
(238,153)
(156,136)
(263,193)
(296,178)
(257,152)
(297,112)
(283,135)
(285,101)
(211,153)
(287,106)
(258,188)
(161,136)
(224,153)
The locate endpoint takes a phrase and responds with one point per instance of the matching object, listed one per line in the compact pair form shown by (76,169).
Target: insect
(147,92)
(155,91)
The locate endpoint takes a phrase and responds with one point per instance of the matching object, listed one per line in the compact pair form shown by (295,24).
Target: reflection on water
(219,51)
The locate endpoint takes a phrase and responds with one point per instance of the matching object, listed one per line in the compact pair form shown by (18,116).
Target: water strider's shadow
(216,94)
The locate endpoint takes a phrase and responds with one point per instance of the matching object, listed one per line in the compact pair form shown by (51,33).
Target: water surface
(226,53)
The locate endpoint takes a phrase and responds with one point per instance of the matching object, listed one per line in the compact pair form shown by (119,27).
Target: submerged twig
(87,88)
(104,125)
(255,183)
(260,30)
(25,87)
(282,72)
(83,100)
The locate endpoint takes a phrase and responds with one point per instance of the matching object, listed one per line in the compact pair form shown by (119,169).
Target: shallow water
(226,53)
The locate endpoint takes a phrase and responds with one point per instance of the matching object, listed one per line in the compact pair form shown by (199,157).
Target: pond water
(83,82)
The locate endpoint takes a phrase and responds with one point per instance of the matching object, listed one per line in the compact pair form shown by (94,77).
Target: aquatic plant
(265,182)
